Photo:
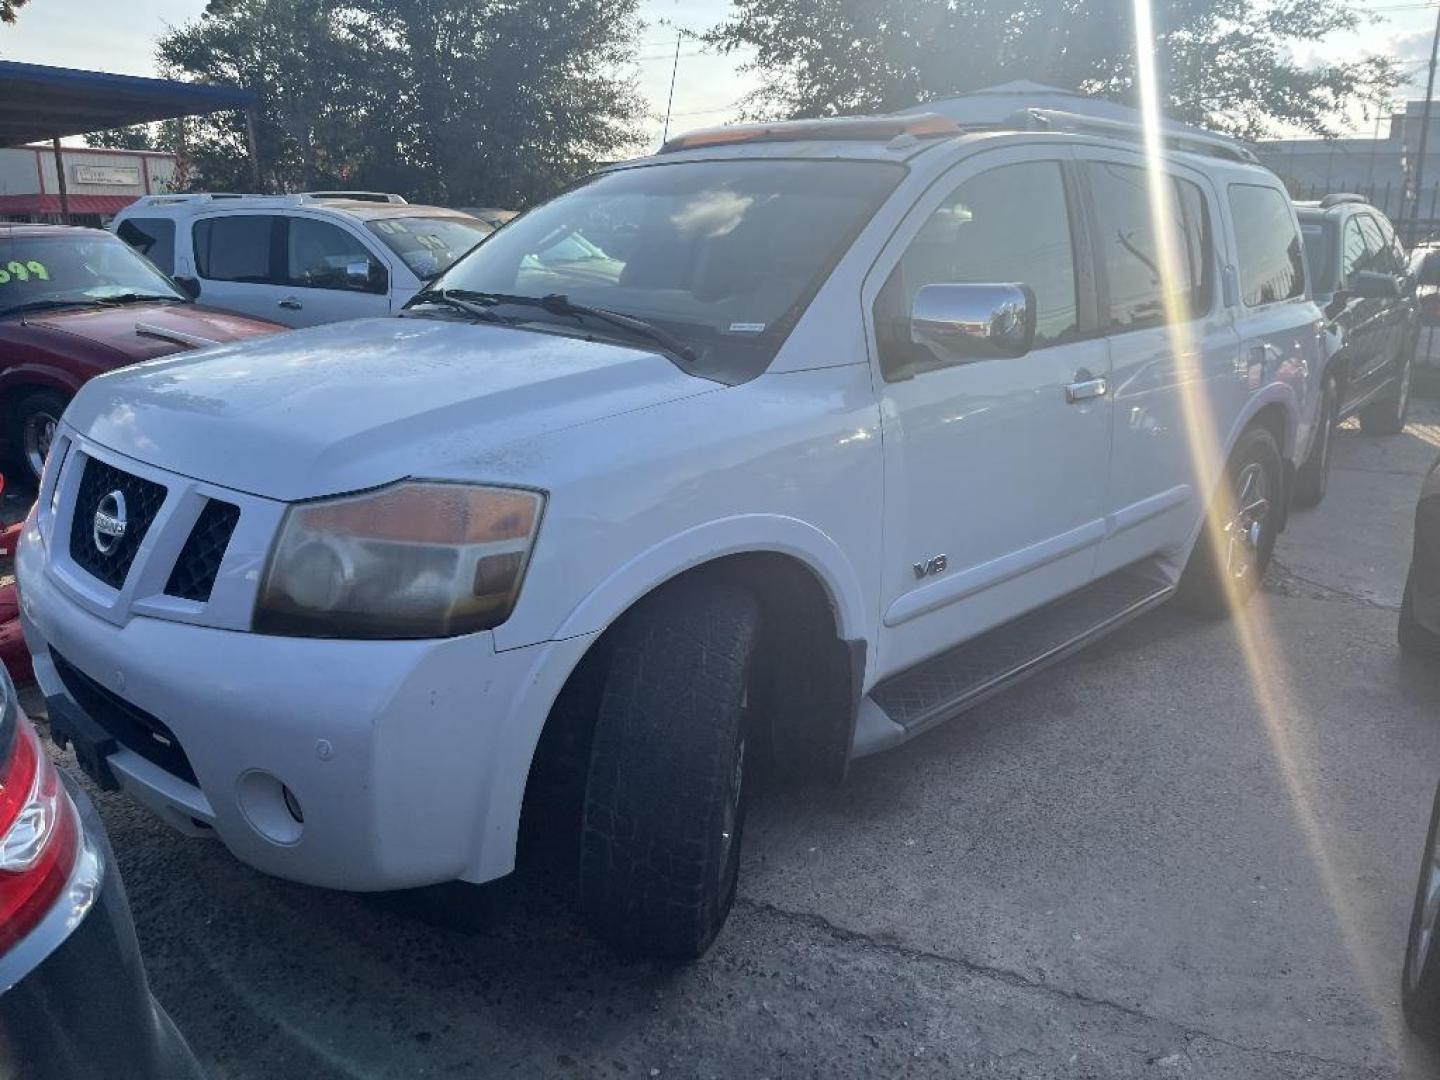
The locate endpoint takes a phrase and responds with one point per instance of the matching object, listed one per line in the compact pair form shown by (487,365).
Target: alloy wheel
(1245,531)
(38,434)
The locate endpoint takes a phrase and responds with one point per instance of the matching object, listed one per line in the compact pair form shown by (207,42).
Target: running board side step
(933,691)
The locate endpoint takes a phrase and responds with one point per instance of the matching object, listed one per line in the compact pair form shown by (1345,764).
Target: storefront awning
(39,103)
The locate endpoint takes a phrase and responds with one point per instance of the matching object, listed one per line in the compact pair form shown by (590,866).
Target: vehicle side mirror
(975,322)
(1374,285)
(367,276)
(189,286)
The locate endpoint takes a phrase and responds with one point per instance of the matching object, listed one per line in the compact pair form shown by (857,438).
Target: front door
(995,469)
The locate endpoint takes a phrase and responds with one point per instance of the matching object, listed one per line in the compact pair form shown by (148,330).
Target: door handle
(1085,387)
(291,304)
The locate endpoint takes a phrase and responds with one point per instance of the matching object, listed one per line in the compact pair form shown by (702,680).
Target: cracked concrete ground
(1156,860)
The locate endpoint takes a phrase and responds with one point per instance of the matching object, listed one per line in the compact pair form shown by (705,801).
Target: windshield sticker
(747,327)
(18,271)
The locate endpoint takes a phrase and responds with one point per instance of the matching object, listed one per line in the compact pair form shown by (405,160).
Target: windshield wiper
(560,304)
(44,305)
(137,298)
(446,298)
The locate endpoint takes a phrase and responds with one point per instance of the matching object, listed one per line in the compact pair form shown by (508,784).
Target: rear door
(1172,357)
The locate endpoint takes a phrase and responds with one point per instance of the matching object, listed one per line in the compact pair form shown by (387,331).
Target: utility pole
(1424,133)
(674,67)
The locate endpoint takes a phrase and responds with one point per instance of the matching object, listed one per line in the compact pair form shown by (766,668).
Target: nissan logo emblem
(110,523)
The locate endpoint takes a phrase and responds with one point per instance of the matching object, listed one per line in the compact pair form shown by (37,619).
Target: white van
(299,260)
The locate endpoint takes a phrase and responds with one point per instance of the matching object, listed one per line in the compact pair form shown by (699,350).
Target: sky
(119,36)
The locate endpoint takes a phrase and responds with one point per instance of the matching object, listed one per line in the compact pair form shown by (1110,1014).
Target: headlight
(415,560)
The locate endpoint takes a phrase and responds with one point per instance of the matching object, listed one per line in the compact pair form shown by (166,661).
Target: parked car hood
(143,331)
(354,405)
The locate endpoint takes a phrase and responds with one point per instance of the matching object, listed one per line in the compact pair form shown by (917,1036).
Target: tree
(1226,64)
(465,102)
(9,9)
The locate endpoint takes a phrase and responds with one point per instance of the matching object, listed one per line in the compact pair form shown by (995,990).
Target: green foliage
(9,8)
(1227,64)
(495,102)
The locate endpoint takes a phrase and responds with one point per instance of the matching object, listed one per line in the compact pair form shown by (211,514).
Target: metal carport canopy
(43,103)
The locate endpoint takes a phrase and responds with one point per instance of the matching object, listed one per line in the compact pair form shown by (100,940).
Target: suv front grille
(130,726)
(193,575)
(142,503)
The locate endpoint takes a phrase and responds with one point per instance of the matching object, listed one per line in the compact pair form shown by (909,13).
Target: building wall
(114,176)
(1381,167)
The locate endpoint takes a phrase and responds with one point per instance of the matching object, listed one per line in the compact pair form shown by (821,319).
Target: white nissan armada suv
(794,439)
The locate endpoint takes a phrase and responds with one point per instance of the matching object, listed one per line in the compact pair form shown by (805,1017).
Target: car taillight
(39,829)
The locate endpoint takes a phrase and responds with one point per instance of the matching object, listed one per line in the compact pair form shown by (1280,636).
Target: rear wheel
(1313,478)
(667,788)
(1387,415)
(31,427)
(1239,535)
(1420,980)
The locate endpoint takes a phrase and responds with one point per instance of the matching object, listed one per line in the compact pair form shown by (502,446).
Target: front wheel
(1239,534)
(1387,415)
(32,424)
(1420,979)
(667,788)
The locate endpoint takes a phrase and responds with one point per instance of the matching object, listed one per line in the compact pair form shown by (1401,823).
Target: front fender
(741,534)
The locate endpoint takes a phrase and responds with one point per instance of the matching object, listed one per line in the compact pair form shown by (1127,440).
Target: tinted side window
(1272,262)
(237,247)
(1129,251)
(1352,255)
(1378,256)
(1397,250)
(152,237)
(1011,224)
(320,255)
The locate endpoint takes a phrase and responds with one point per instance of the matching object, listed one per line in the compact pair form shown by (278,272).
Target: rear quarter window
(152,237)
(1272,261)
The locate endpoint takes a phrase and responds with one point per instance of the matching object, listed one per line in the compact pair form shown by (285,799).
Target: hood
(143,331)
(358,404)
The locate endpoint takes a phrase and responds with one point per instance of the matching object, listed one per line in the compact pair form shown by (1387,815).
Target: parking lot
(1188,852)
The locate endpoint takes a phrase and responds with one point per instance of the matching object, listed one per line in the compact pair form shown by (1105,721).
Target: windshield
(429,245)
(75,268)
(722,254)
(1319,251)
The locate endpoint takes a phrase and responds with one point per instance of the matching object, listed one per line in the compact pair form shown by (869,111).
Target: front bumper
(406,760)
(84,1008)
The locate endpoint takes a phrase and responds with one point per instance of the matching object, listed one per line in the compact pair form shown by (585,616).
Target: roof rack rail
(359,196)
(1199,142)
(1339,198)
(858,128)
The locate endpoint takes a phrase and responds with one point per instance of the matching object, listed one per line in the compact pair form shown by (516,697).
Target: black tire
(1415,640)
(1212,585)
(1312,479)
(1420,980)
(37,408)
(666,794)
(1387,415)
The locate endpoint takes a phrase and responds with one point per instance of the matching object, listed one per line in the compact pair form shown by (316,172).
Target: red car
(75,303)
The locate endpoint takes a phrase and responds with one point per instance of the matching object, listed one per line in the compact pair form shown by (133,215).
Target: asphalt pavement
(1187,852)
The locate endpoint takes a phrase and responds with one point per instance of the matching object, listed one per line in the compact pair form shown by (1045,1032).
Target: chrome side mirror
(974,322)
